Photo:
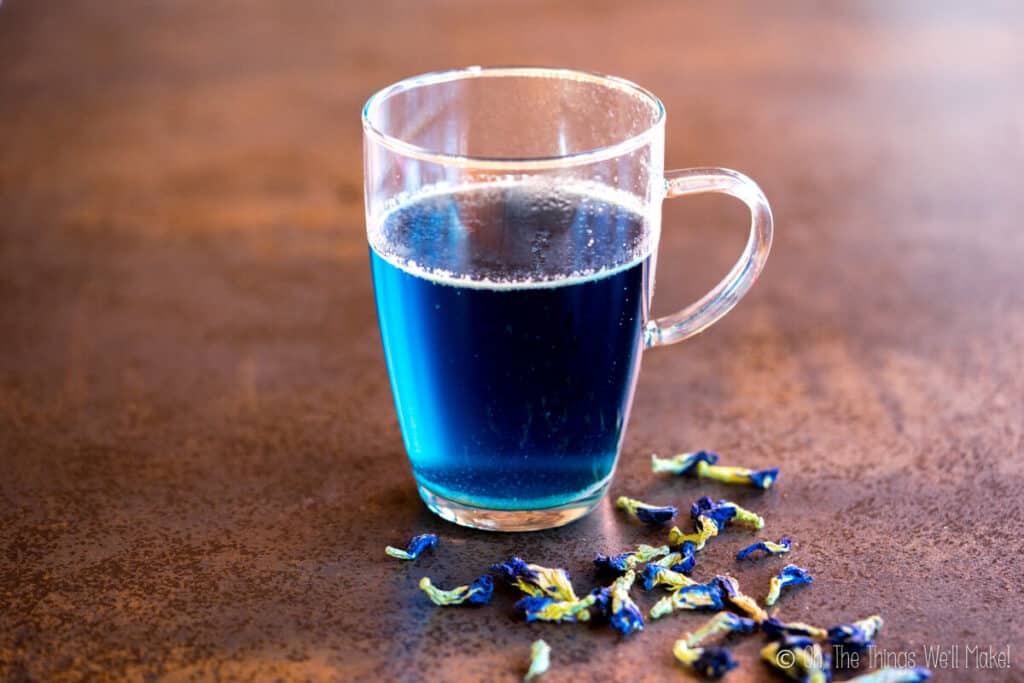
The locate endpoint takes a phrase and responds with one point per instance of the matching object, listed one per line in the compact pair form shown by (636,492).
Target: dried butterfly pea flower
(628,560)
(856,637)
(682,560)
(477,593)
(723,512)
(669,561)
(709,518)
(619,564)
(704,464)
(768,547)
(416,546)
(762,479)
(698,596)
(646,553)
(543,608)
(721,623)
(800,659)
(648,514)
(536,580)
(540,659)
(707,528)
(732,596)
(684,463)
(791,575)
(658,575)
(720,513)
(614,601)
(773,628)
(710,662)
(894,675)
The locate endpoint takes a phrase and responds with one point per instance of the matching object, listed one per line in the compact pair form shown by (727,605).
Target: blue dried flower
(543,608)
(648,514)
(477,593)
(687,558)
(698,596)
(668,561)
(658,575)
(800,659)
(619,564)
(515,569)
(768,547)
(706,529)
(724,512)
(856,637)
(720,513)
(710,518)
(710,662)
(893,675)
(721,623)
(684,463)
(791,575)
(731,592)
(627,619)
(540,659)
(602,598)
(762,479)
(625,561)
(703,464)
(416,546)
(775,629)
(714,662)
(614,601)
(536,580)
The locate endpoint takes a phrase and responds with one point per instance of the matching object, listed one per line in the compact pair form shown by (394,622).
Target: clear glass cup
(513,217)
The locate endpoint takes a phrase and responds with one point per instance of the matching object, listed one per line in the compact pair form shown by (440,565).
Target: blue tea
(511,317)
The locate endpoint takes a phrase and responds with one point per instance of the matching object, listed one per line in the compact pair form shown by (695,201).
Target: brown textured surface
(200,459)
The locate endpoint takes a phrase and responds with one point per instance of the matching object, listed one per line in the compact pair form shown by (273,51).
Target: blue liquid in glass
(513,388)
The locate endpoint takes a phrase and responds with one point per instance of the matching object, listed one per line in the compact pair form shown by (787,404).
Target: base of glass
(508,520)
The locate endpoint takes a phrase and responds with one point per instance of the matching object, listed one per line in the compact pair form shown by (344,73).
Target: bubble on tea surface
(513,233)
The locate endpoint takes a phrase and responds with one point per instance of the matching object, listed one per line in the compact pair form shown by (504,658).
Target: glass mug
(513,217)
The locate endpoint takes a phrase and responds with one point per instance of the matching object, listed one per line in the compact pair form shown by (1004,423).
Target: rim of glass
(576,158)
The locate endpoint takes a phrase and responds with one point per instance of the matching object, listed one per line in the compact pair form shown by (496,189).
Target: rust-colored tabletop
(200,463)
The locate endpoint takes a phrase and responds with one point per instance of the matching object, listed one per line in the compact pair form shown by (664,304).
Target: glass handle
(727,293)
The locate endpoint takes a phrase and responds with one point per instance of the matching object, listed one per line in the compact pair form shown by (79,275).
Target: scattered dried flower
(721,623)
(773,628)
(855,637)
(536,580)
(706,529)
(723,511)
(477,593)
(791,575)
(767,547)
(800,659)
(698,596)
(614,600)
(733,596)
(704,464)
(416,546)
(544,608)
(684,463)
(658,575)
(628,560)
(648,514)
(710,662)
